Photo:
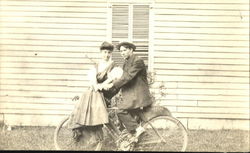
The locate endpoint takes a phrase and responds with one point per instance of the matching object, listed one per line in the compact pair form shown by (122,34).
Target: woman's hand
(115,73)
(75,98)
(98,87)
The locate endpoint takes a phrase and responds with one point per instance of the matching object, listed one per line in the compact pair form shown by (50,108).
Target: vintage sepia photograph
(125,75)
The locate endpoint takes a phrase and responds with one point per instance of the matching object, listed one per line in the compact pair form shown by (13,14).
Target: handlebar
(113,108)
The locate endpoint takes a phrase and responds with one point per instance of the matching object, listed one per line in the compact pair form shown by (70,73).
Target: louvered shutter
(139,30)
(120,25)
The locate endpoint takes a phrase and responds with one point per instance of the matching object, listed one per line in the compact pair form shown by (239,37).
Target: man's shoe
(99,146)
(139,131)
(131,138)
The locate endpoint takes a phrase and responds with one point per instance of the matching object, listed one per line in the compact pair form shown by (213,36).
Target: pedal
(133,139)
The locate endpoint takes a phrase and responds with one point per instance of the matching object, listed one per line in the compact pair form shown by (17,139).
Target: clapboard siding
(43,70)
(208,31)
(179,36)
(202,6)
(199,51)
(43,88)
(51,37)
(32,112)
(219,43)
(36,106)
(38,100)
(40,82)
(214,115)
(76,55)
(202,97)
(43,53)
(63,8)
(202,49)
(191,91)
(209,85)
(53,3)
(201,57)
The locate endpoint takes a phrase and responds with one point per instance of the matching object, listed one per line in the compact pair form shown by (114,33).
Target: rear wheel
(63,138)
(163,133)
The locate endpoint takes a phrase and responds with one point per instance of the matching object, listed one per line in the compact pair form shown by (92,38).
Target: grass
(41,138)
(218,141)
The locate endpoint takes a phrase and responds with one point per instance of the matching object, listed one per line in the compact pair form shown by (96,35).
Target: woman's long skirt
(91,110)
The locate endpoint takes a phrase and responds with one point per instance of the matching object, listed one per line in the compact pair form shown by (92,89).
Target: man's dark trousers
(128,118)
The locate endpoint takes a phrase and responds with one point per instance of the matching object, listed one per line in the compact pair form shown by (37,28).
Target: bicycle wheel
(110,138)
(63,139)
(163,133)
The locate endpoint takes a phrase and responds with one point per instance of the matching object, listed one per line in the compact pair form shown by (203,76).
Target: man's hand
(107,86)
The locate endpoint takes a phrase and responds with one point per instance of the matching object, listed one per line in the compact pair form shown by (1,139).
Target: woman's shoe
(77,134)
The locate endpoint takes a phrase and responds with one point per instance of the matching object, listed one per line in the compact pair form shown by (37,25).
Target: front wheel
(163,133)
(63,138)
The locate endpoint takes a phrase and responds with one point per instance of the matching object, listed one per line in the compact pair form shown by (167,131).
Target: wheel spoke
(163,134)
(63,139)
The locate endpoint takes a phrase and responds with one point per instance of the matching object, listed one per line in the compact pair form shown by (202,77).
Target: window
(130,22)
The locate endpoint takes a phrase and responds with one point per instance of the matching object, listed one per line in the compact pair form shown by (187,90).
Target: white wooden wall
(200,53)
(43,63)
(201,56)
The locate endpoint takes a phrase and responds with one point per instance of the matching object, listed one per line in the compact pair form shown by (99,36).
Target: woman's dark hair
(106,45)
(126,45)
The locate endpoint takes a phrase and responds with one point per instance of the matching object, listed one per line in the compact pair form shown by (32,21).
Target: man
(134,87)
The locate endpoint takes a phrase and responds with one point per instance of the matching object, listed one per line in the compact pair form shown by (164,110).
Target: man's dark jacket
(133,84)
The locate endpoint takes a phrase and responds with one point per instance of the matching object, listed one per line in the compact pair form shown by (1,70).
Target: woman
(90,112)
